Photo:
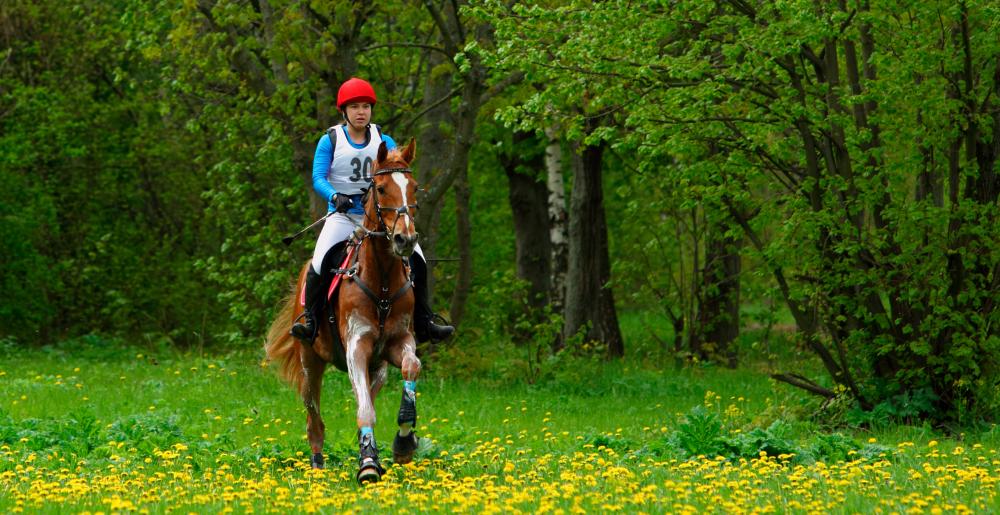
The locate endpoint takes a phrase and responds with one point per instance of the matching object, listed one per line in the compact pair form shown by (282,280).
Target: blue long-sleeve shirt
(321,167)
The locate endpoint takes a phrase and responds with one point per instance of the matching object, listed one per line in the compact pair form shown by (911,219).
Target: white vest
(351,168)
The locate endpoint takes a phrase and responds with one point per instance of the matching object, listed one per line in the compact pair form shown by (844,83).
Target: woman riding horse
(373,313)
(342,168)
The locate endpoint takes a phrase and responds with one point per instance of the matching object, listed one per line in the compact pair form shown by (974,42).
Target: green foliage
(146,432)
(77,433)
(838,447)
(772,441)
(100,236)
(153,156)
(909,406)
(617,443)
(866,190)
(703,433)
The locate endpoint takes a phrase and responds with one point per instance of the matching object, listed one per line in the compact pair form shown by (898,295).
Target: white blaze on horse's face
(403,181)
(400,192)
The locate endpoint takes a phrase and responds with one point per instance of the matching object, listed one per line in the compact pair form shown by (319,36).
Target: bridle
(401,210)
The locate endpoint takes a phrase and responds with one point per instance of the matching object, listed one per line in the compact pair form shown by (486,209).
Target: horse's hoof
(369,475)
(317,460)
(403,448)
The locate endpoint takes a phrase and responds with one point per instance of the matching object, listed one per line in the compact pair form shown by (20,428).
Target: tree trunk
(463,234)
(462,121)
(720,310)
(589,302)
(557,220)
(528,203)
(433,145)
(338,64)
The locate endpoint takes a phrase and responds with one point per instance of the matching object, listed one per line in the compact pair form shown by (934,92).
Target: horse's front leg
(360,344)
(378,379)
(312,381)
(404,356)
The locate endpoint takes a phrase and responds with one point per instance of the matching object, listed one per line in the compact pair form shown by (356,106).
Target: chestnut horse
(373,314)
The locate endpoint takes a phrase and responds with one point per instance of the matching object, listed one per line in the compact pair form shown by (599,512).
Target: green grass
(94,426)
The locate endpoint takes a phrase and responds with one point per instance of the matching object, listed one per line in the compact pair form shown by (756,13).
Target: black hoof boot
(407,409)
(369,468)
(317,460)
(403,448)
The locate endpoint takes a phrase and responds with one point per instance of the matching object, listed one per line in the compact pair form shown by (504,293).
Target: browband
(382,171)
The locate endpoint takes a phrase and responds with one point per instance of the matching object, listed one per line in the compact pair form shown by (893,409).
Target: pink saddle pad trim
(336,278)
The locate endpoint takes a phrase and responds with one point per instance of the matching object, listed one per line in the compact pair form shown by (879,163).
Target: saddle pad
(343,266)
(336,278)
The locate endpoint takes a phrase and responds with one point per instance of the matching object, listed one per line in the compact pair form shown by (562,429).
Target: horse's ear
(409,151)
(382,153)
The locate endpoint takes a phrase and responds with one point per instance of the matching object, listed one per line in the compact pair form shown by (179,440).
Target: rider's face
(358,114)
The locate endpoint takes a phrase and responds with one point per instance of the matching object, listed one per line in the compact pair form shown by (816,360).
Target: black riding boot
(306,330)
(423,315)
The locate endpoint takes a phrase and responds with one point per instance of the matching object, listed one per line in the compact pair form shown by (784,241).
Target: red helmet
(355,90)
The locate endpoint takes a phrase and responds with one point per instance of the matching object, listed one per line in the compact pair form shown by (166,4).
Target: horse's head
(393,199)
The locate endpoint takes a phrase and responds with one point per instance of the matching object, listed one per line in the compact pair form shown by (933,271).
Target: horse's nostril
(398,239)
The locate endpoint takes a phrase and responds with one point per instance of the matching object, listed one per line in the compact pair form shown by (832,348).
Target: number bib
(351,167)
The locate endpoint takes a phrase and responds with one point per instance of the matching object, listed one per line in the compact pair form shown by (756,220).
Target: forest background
(721,177)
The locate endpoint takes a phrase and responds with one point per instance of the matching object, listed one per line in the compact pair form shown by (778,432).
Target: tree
(260,81)
(569,105)
(557,218)
(528,197)
(97,235)
(719,308)
(590,305)
(815,125)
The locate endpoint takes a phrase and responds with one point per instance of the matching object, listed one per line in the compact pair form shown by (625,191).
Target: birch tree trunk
(557,219)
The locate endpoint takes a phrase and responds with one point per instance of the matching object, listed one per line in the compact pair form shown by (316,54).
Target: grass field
(96,427)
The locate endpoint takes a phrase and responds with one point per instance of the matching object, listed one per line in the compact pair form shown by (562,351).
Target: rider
(341,169)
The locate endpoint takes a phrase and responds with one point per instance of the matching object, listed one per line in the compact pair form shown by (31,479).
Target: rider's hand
(341,203)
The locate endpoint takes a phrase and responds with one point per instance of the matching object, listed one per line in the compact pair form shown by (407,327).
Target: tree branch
(449,43)
(499,87)
(806,384)
(410,45)
(431,107)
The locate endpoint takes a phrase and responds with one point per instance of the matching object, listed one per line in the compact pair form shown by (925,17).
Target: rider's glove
(341,203)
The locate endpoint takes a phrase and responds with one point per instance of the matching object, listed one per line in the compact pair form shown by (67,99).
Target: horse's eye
(381,190)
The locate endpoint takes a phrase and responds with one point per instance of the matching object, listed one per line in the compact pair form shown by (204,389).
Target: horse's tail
(281,346)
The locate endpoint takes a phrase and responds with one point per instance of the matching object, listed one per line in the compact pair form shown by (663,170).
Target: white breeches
(337,228)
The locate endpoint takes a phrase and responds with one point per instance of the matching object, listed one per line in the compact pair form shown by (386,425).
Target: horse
(373,314)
